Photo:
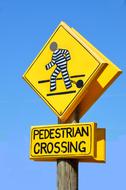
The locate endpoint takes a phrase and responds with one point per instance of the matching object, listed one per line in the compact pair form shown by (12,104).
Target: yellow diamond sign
(63,71)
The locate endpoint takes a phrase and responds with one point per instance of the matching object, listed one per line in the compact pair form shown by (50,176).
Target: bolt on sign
(80,141)
(63,71)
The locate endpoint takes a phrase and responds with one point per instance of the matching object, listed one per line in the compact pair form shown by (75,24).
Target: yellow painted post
(67,169)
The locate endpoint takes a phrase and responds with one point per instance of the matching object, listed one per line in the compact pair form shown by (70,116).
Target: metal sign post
(67,170)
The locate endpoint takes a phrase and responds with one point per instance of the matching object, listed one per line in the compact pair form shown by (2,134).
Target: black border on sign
(38,57)
(65,155)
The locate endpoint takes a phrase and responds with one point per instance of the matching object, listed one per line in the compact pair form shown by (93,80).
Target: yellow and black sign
(63,70)
(63,141)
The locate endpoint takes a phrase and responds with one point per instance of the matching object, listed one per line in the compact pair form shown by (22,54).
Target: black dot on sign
(80,84)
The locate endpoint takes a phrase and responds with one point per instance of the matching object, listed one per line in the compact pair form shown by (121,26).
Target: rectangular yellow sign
(53,142)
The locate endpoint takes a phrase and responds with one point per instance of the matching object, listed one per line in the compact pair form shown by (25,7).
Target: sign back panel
(101,82)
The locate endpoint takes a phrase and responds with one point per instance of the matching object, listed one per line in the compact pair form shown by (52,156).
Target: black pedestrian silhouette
(60,58)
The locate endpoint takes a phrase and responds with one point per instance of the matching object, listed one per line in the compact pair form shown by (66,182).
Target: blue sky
(24,28)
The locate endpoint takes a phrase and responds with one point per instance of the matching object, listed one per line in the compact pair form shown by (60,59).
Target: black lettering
(56,146)
(43,148)
(69,132)
(41,134)
(46,133)
(37,148)
(63,132)
(68,146)
(82,147)
(72,146)
(63,145)
(77,132)
(50,147)
(58,135)
(51,133)
(85,131)
(36,132)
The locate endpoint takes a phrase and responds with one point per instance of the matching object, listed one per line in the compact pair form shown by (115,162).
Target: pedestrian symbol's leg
(53,79)
(66,77)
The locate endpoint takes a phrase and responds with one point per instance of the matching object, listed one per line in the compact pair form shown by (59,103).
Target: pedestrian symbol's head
(53,46)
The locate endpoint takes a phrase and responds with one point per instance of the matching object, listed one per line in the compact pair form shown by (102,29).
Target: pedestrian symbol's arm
(49,65)
(67,54)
